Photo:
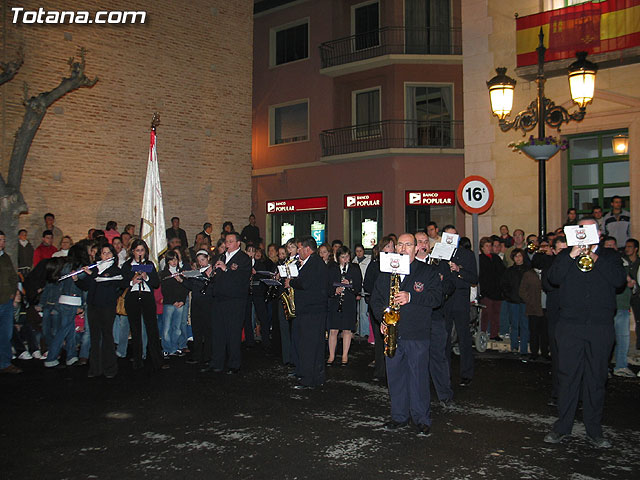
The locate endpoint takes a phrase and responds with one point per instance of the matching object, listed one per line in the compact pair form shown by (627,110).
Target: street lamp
(541,111)
(620,144)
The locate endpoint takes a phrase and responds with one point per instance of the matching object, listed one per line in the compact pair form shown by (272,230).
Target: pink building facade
(357,118)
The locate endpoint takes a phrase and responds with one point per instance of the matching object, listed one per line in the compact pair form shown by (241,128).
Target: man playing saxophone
(408,370)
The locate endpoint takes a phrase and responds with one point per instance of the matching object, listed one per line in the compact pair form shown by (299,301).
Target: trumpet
(532,248)
(584,260)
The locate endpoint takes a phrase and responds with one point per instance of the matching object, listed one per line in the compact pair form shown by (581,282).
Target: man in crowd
(458,309)
(597,213)
(504,235)
(8,288)
(49,220)
(408,370)
(432,233)
(25,252)
(617,223)
(174,231)
(45,249)
(585,335)
(250,234)
(207,228)
(310,291)
(631,254)
(518,242)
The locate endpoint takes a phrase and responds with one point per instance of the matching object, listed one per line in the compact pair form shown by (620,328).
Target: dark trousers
(408,379)
(380,369)
(228,317)
(460,318)
(635,306)
(438,362)
(491,316)
(309,329)
(552,322)
(142,306)
(264,319)
(538,335)
(247,325)
(102,357)
(285,332)
(583,360)
(201,328)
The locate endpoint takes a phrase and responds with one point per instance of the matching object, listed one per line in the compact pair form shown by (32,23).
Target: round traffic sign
(475,194)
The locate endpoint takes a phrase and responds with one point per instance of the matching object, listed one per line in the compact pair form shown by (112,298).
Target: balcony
(393,134)
(391,41)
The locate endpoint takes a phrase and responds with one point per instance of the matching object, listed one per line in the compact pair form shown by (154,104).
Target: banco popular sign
(363,200)
(430,197)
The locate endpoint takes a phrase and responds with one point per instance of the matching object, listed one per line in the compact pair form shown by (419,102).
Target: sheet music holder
(395,263)
(581,235)
(271,282)
(450,239)
(443,251)
(266,273)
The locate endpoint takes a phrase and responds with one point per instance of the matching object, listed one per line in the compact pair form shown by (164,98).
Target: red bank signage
(363,200)
(297,205)
(430,197)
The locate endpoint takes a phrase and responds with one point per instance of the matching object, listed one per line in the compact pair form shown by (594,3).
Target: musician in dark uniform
(230,289)
(585,335)
(408,369)
(458,307)
(310,290)
(343,308)
(201,306)
(257,293)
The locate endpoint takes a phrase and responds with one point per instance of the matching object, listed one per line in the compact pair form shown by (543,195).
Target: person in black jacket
(379,370)
(342,303)
(140,276)
(174,296)
(585,335)
(201,307)
(231,289)
(458,307)
(510,285)
(257,293)
(310,290)
(408,370)
(491,270)
(104,284)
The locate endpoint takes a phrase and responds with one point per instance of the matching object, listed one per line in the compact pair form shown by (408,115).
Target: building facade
(589,173)
(189,61)
(357,118)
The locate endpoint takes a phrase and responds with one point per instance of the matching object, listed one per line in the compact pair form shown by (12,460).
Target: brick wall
(191,62)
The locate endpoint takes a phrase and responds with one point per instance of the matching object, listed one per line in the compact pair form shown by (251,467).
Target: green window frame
(590,160)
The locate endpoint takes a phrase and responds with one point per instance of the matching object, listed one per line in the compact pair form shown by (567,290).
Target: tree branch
(36,109)
(9,70)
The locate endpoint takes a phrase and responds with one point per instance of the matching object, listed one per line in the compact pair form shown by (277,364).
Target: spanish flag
(592,27)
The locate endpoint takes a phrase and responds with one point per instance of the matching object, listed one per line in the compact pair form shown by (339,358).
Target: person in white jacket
(362,261)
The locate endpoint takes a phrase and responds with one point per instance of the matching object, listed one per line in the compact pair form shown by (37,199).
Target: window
(290,43)
(289,123)
(366,23)
(596,173)
(428,26)
(429,112)
(366,112)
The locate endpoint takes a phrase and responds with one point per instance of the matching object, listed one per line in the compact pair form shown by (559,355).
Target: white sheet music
(443,251)
(581,235)
(450,239)
(395,263)
(293,271)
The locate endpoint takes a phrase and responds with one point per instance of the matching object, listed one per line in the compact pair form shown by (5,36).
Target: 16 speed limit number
(475,194)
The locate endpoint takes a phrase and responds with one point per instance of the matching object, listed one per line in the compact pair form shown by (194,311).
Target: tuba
(391,317)
(287,297)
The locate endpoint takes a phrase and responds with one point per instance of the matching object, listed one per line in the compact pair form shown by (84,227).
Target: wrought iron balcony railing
(391,40)
(392,134)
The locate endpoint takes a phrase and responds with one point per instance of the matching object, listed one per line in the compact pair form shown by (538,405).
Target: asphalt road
(178,423)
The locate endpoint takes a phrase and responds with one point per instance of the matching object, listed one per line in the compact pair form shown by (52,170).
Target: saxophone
(287,297)
(391,317)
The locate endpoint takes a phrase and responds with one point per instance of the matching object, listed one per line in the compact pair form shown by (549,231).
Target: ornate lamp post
(541,111)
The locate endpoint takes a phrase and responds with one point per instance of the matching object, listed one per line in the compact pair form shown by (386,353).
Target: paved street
(178,423)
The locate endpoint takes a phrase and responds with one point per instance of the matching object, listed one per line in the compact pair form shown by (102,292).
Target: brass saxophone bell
(584,261)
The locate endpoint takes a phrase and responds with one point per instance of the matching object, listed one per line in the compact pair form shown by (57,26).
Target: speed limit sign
(475,194)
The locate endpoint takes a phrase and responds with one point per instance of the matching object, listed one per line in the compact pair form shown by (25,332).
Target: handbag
(120,310)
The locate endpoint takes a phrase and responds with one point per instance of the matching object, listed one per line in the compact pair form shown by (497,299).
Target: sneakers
(423,430)
(51,364)
(392,425)
(554,437)
(25,355)
(618,372)
(599,442)
(446,403)
(72,361)
(37,355)
(465,382)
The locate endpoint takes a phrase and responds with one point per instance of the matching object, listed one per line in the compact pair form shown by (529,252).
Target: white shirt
(228,255)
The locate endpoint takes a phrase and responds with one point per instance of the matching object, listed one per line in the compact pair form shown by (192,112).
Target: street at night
(179,423)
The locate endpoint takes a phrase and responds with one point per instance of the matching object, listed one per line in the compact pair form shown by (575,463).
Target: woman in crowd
(184,264)
(65,245)
(69,304)
(535,302)
(510,283)
(174,295)
(362,261)
(103,284)
(342,303)
(201,308)
(111,231)
(141,278)
(491,270)
(324,251)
